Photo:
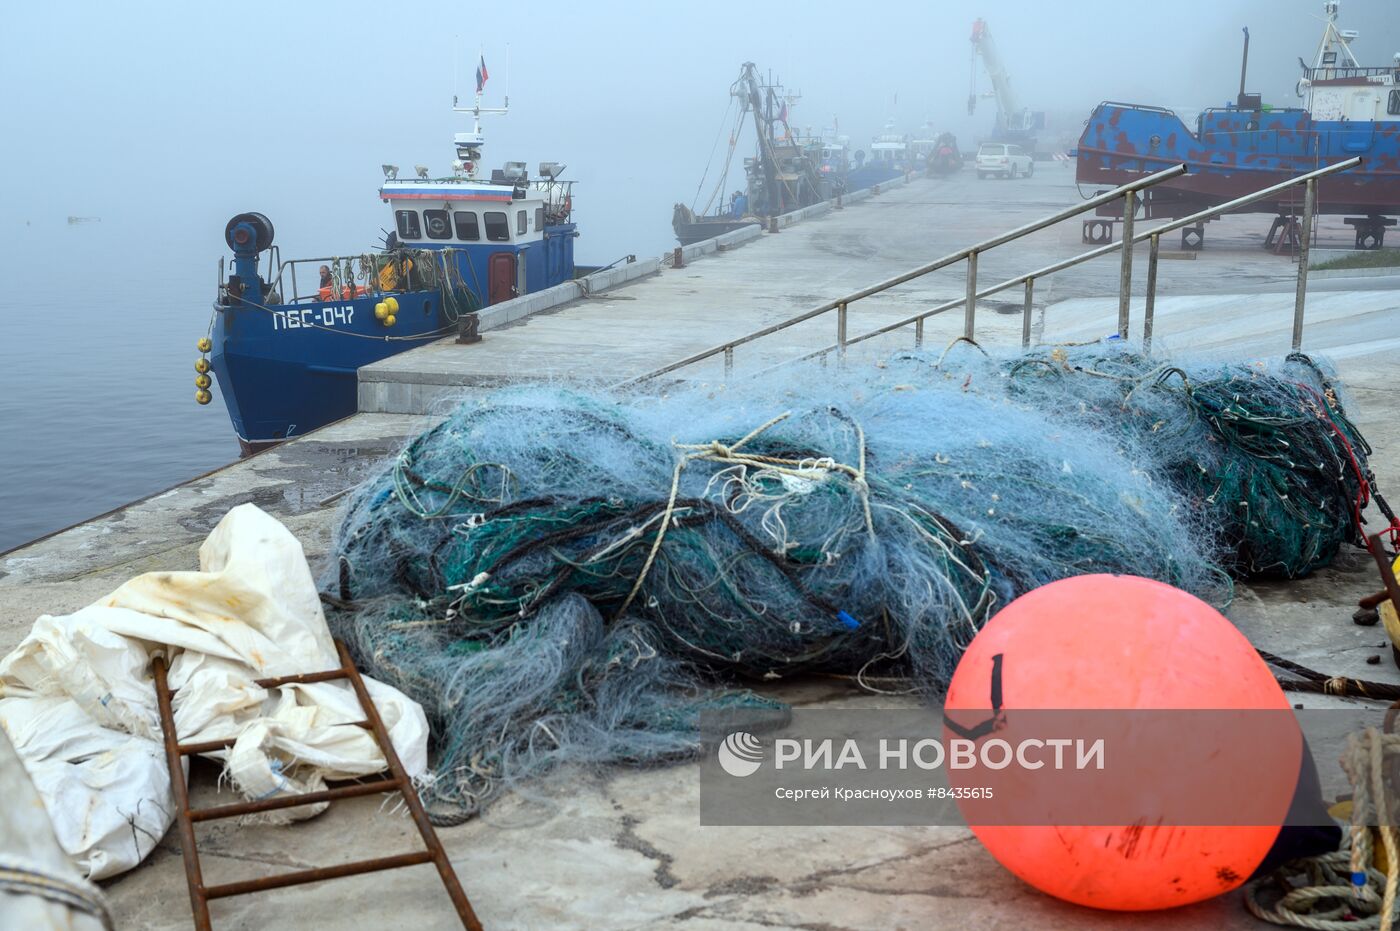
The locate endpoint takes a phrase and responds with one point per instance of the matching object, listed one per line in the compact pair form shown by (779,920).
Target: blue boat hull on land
(1234,152)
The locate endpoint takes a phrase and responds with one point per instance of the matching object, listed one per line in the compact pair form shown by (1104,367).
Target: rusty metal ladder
(186,817)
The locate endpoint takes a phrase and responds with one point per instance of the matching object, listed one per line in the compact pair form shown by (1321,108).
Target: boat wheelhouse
(510,236)
(888,159)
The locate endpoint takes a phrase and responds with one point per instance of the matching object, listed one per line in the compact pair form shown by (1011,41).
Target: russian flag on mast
(481,75)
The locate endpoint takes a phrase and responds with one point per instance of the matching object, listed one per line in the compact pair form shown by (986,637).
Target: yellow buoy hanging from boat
(205,344)
(202,396)
(390,320)
(393,304)
(201,365)
(381,310)
(201,381)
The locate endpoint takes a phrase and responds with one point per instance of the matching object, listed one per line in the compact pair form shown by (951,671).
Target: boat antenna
(1331,34)
(469,144)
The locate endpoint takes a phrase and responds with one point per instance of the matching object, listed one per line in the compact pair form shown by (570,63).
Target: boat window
(408,224)
(497,226)
(437,224)
(1392,103)
(539,218)
(467,228)
(522,223)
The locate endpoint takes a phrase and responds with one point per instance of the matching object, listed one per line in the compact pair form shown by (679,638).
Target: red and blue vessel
(1349,110)
(287,337)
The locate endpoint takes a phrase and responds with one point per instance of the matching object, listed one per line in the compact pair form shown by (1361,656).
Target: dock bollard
(677,258)
(772,224)
(838,202)
(469,328)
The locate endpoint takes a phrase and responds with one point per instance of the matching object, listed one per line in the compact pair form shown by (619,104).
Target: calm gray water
(97,372)
(98,324)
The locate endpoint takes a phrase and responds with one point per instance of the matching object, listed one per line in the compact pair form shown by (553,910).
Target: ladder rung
(208,746)
(292,801)
(303,678)
(316,875)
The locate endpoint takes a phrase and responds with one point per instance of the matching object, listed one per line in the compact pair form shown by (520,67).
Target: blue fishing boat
(1349,110)
(287,337)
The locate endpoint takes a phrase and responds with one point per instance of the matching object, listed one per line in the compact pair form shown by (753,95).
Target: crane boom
(1011,118)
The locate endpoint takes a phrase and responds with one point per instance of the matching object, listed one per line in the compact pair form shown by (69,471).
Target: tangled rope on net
(565,577)
(1338,891)
(1262,453)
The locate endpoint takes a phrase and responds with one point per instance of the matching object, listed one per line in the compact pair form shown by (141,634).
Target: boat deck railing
(359,274)
(1128,193)
(1333,72)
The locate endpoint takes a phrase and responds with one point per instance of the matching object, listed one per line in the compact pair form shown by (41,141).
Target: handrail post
(1125,270)
(970,313)
(1128,192)
(1026,315)
(1309,204)
(919,333)
(728,362)
(841,330)
(1154,244)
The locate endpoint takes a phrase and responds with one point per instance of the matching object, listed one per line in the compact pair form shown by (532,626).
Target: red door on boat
(502,277)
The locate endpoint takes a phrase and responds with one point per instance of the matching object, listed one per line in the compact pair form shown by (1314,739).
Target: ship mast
(469,144)
(1334,51)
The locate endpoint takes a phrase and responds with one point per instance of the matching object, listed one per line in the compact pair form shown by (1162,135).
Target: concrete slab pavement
(622,848)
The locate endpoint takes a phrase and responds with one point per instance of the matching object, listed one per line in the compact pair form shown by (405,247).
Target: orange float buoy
(1114,647)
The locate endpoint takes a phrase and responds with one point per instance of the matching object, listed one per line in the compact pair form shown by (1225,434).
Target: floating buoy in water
(1109,650)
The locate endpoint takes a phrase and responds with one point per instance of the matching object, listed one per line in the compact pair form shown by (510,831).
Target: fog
(166,120)
(171,118)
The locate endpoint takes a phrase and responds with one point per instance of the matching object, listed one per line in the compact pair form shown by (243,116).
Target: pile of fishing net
(560,576)
(1262,452)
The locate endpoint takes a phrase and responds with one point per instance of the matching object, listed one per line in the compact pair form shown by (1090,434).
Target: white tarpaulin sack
(78,702)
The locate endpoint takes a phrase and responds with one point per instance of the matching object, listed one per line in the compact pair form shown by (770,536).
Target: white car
(999,158)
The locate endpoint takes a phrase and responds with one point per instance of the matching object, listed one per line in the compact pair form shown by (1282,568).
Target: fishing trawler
(888,159)
(286,337)
(1349,110)
(785,174)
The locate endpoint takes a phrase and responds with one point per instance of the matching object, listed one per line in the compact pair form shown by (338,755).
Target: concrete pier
(622,848)
(763,278)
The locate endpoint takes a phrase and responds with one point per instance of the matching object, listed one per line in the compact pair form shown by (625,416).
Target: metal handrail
(1153,237)
(969,254)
